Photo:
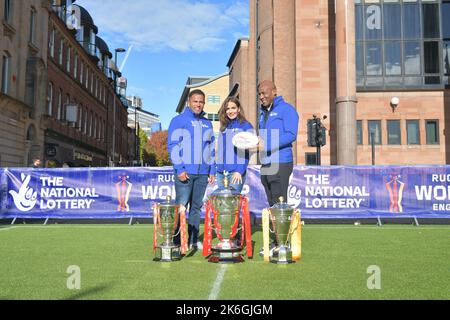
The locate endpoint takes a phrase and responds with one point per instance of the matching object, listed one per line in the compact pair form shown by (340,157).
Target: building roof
(195,82)
(86,19)
(235,51)
(102,46)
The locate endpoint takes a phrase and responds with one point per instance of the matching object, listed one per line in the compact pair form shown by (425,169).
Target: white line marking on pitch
(8,228)
(216,287)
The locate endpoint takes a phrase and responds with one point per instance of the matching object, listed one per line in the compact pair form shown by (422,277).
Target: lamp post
(136,132)
(114,105)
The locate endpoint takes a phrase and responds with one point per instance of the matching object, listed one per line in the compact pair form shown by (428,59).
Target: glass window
(446,57)
(32,38)
(51,43)
(430,18)
(373,59)
(431,56)
(393,131)
(213,99)
(5,73)
(372,22)
(59,113)
(393,58)
(432,131)
(374,127)
(359,59)
(392,21)
(75,66)
(50,99)
(68,59)
(359,132)
(61,51)
(412,57)
(412,132)
(411,21)
(446,20)
(359,22)
(8,10)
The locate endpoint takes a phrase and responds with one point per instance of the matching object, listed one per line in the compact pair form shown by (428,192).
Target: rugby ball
(245,140)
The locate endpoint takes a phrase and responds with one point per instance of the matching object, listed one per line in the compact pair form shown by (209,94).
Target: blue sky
(169,40)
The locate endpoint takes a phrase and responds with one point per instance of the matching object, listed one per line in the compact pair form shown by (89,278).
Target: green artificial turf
(116,262)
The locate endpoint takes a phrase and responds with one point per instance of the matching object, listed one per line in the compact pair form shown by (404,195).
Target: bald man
(278,126)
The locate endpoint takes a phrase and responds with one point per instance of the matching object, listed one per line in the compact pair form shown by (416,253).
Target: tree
(142,143)
(157,145)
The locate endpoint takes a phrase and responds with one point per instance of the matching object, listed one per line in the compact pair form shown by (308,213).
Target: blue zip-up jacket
(278,144)
(230,158)
(191,143)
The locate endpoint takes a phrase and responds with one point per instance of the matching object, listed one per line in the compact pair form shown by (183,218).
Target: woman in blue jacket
(230,159)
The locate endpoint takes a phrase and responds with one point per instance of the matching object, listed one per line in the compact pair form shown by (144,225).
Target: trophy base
(282,255)
(226,253)
(167,253)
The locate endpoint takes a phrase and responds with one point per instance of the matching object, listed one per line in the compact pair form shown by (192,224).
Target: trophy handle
(271,221)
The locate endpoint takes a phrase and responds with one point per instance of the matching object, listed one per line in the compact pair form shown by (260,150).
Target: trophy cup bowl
(226,203)
(168,216)
(281,215)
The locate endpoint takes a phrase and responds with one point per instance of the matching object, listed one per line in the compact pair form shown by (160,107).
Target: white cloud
(169,24)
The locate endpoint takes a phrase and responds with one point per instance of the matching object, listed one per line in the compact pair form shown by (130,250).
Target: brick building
(348,60)
(85,120)
(23,63)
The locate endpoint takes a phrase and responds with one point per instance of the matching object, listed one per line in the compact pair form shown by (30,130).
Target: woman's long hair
(223,118)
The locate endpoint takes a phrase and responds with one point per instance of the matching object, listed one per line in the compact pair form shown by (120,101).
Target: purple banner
(320,192)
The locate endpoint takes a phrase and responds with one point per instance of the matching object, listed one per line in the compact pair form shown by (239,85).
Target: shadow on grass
(82,294)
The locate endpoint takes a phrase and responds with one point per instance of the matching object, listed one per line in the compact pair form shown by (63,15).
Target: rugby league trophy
(287,227)
(226,204)
(166,217)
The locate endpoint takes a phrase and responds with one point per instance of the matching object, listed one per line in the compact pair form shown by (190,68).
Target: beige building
(216,90)
(23,50)
(349,60)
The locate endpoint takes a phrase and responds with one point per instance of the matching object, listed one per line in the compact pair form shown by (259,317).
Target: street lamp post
(136,137)
(114,105)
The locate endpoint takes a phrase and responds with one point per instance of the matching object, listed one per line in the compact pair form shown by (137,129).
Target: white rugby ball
(245,140)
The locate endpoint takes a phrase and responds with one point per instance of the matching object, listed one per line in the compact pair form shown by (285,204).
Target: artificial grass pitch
(116,262)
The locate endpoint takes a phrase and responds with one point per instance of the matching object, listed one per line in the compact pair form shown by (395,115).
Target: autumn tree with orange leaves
(156,149)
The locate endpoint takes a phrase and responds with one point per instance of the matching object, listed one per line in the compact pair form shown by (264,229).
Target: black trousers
(275,179)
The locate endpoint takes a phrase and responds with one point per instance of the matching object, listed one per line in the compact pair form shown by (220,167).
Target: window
(50,99)
(32,38)
(213,116)
(68,59)
(81,71)
(51,43)
(6,61)
(374,127)
(8,10)
(398,43)
(87,78)
(213,99)
(59,112)
(393,132)
(359,132)
(65,107)
(61,51)
(412,132)
(75,66)
(85,121)
(432,131)
(80,117)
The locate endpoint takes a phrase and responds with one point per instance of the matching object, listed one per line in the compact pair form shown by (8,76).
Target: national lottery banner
(320,192)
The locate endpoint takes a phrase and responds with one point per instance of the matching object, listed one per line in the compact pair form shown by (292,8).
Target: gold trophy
(286,225)
(166,217)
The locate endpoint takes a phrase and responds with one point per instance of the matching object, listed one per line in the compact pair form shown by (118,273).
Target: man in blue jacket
(278,126)
(191,150)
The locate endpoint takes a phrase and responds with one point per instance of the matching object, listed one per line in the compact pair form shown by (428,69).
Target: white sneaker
(200,245)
